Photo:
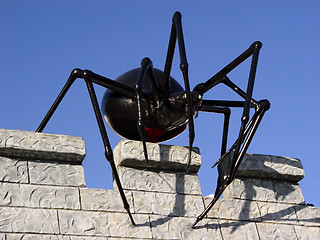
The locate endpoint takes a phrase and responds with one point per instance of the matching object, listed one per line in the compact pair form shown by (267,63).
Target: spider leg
(177,33)
(247,128)
(146,68)
(100,80)
(89,78)
(223,181)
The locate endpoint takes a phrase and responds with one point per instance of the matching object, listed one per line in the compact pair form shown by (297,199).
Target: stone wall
(43,195)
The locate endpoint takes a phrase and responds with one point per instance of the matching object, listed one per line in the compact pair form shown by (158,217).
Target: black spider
(148,105)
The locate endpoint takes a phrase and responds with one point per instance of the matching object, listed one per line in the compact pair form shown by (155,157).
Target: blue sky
(42,41)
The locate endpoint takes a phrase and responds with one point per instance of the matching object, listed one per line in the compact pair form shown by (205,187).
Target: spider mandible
(157,108)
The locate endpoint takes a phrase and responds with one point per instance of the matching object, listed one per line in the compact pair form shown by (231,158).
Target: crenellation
(35,146)
(43,195)
(161,157)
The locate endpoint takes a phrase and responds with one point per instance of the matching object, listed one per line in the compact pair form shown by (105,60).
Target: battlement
(43,194)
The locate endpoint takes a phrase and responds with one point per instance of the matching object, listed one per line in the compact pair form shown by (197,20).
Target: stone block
(167,204)
(233,209)
(145,180)
(264,190)
(271,231)
(307,233)
(288,192)
(278,213)
(161,157)
(56,174)
(164,227)
(119,225)
(83,223)
(36,146)
(251,189)
(266,166)
(88,223)
(238,230)
(13,170)
(29,220)
(308,216)
(36,196)
(26,236)
(104,200)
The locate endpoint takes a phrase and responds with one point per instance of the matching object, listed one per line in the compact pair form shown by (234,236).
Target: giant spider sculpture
(148,105)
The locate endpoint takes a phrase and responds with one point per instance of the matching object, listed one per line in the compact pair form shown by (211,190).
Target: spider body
(148,105)
(164,118)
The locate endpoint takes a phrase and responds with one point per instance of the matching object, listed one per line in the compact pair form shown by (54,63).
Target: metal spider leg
(146,68)
(100,80)
(224,181)
(247,128)
(89,78)
(248,97)
(177,33)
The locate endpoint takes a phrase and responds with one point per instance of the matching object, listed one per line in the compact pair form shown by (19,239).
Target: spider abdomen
(162,122)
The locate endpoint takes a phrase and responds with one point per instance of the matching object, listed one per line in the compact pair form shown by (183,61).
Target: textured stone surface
(307,233)
(233,209)
(264,190)
(238,230)
(251,189)
(83,223)
(287,192)
(31,145)
(167,204)
(103,200)
(56,174)
(49,237)
(144,180)
(12,170)
(103,224)
(39,237)
(164,227)
(161,157)
(276,231)
(267,166)
(28,220)
(309,216)
(120,226)
(278,213)
(26,195)
(42,198)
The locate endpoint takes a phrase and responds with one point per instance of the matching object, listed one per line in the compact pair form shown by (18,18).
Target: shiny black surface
(120,111)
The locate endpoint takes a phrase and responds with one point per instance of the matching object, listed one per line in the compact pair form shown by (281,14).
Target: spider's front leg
(90,78)
(248,127)
(177,33)
(145,70)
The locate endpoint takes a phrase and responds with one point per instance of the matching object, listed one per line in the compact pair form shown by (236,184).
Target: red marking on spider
(154,134)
